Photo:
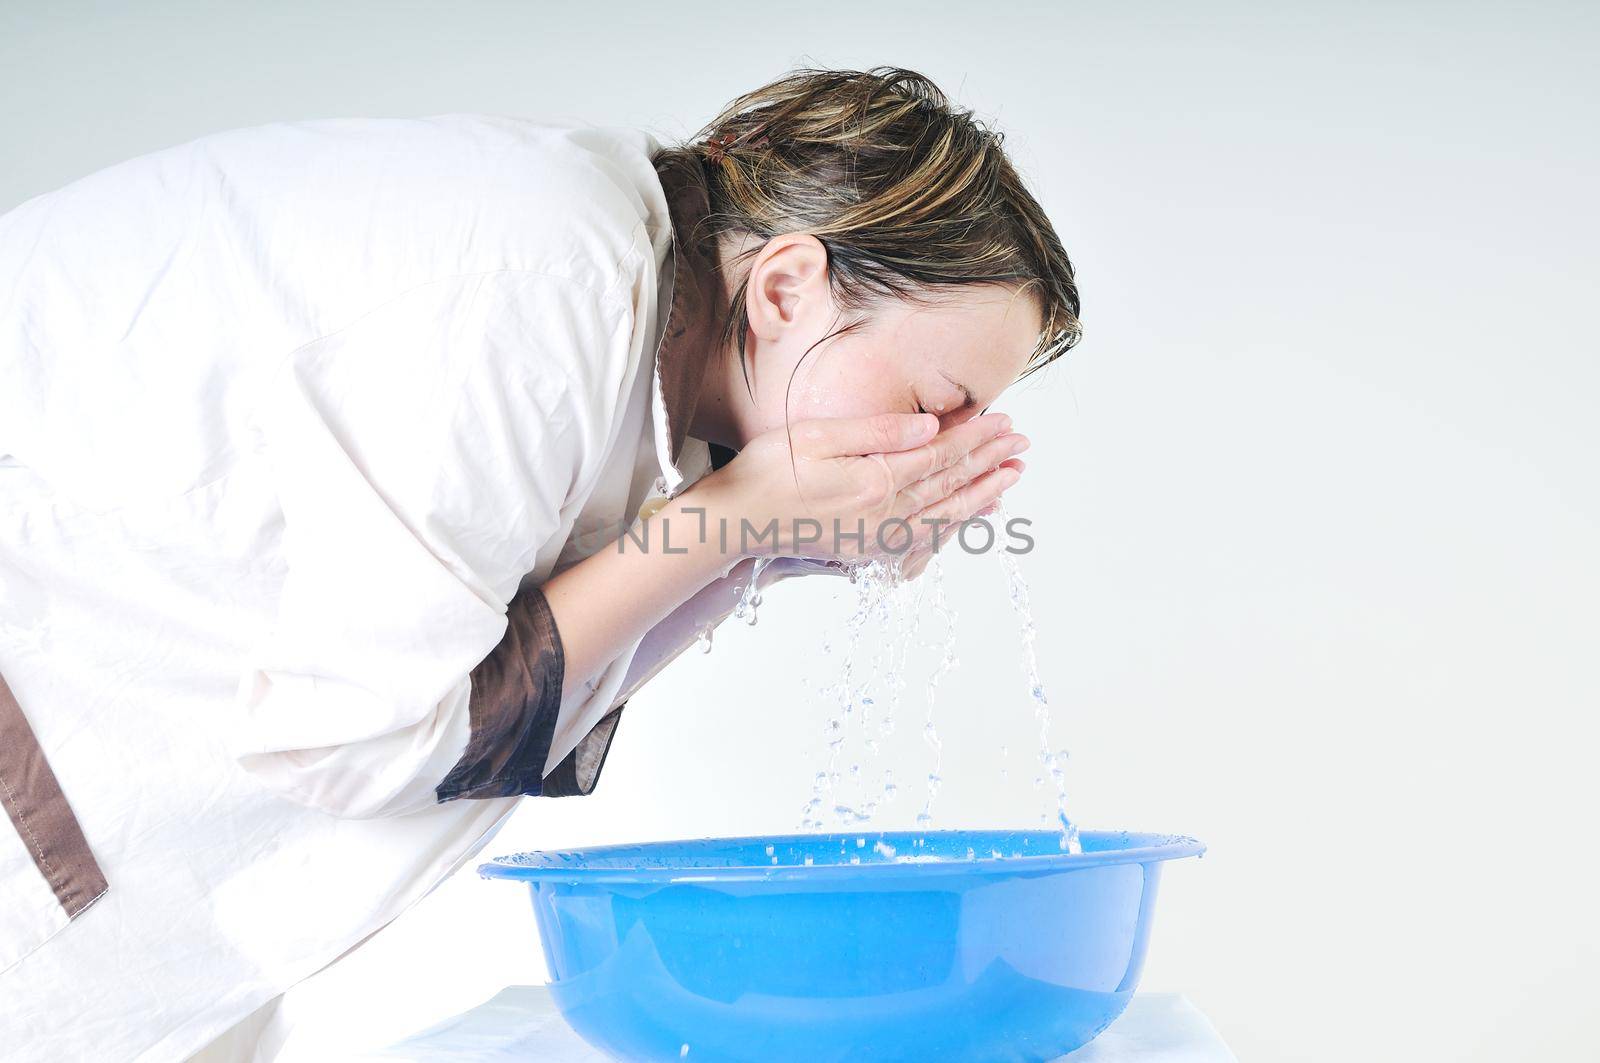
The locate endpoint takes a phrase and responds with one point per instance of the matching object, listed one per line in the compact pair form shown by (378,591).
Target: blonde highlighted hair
(907,193)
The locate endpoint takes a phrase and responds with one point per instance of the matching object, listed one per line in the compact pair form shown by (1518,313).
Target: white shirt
(287,414)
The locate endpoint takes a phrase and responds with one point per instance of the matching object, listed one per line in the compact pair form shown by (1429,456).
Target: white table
(521,1023)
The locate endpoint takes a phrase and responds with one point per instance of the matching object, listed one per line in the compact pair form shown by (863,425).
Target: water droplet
(750,596)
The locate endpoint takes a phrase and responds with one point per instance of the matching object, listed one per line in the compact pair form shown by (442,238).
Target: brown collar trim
(695,317)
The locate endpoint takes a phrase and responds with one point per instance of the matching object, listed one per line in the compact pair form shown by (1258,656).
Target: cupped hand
(914,561)
(861,488)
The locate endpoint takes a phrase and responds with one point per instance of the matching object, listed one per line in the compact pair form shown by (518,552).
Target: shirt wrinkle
(252,613)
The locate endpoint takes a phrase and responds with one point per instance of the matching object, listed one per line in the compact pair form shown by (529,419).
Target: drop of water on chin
(703,639)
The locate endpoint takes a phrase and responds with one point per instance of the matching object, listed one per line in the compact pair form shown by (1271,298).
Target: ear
(787,287)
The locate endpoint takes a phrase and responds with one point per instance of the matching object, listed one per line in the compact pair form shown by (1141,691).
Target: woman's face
(951,358)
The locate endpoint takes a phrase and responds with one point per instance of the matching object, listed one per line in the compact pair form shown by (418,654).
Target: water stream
(864,700)
(1049,759)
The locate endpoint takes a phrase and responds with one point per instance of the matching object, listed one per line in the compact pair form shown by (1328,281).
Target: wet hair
(909,195)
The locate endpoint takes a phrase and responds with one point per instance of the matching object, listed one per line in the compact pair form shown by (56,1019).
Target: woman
(354,472)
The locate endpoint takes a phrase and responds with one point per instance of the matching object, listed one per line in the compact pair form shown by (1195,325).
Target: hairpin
(720,144)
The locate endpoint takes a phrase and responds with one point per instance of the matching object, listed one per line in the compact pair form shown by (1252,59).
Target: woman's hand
(859,473)
(861,488)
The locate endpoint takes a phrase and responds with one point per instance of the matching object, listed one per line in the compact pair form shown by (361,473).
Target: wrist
(717,511)
(697,526)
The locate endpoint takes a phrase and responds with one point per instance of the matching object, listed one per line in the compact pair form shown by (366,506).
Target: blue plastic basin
(739,949)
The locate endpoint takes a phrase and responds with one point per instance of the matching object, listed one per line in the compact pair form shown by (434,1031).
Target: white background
(1315,500)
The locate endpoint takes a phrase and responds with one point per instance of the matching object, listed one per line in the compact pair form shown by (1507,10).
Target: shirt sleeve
(423,456)
(515,708)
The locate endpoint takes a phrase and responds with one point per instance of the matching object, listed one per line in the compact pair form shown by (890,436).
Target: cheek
(847,386)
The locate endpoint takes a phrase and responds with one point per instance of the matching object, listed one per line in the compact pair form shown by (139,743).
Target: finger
(967,468)
(884,433)
(915,563)
(946,448)
(967,501)
(913,556)
(959,415)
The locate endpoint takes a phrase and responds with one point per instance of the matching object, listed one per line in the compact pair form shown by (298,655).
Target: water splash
(898,612)
(868,693)
(908,610)
(940,606)
(750,596)
(1049,759)
(873,580)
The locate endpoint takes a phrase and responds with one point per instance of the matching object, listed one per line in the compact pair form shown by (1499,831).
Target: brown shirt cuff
(513,707)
